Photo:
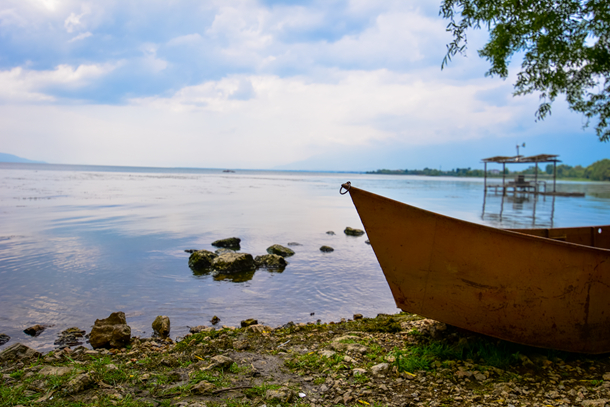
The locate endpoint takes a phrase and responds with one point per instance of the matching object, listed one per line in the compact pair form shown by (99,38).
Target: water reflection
(234,277)
(522,204)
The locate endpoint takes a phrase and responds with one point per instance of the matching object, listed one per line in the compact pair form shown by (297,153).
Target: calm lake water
(80,242)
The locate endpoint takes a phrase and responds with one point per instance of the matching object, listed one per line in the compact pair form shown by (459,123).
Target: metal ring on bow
(345,186)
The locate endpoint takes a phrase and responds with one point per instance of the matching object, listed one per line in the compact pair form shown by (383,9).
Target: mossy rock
(353,232)
(248,322)
(326,249)
(233,263)
(280,250)
(201,260)
(229,243)
(161,326)
(271,261)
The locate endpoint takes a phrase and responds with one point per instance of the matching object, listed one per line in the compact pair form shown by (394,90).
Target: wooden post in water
(503,178)
(554,174)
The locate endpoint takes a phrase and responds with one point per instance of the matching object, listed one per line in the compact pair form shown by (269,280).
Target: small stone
(215,320)
(112,332)
(241,345)
(34,330)
(70,337)
(283,395)
(55,370)
(357,317)
(228,263)
(294,244)
(223,362)
(327,353)
(200,328)
(17,351)
(594,403)
(462,373)
(201,260)
(326,249)
(480,376)
(4,338)
(358,372)
(367,241)
(202,387)
(271,261)
(330,232)
(161,326)
(78,384)
(380,369)
(247,322)
(229,243)
(280,250)
(353,232)
(525,361)
(606,376)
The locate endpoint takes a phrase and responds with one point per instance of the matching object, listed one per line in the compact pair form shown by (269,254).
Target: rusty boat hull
(547,288)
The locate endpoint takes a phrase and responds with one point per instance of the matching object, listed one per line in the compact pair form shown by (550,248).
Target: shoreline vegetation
(390,360)
(598,171)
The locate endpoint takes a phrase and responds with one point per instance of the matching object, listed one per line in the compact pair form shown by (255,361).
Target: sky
(339,85)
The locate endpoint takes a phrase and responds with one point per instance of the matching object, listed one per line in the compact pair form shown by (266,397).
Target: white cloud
(22,85)
(81,36)
(150,57)
(73,22)
(185,40)
(362,108)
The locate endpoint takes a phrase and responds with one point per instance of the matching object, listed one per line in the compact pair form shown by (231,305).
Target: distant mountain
(9,158)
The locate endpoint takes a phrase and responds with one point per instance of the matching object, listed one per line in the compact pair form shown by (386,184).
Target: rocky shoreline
(390,360)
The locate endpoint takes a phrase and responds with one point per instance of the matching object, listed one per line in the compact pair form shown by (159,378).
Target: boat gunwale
(508,232)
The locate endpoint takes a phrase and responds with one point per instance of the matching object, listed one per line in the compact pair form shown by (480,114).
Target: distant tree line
(598,171)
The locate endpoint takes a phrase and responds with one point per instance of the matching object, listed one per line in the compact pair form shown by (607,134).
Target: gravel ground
(390,360)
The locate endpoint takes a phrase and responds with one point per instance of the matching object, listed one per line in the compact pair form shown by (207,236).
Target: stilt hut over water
(520,183)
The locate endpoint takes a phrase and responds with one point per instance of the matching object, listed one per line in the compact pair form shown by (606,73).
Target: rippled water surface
(77,242)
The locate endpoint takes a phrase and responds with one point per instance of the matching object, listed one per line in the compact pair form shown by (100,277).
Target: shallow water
(77,242)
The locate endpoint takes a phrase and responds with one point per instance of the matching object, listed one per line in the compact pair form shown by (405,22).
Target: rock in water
(280,250)
(4,338)
(18,351)
(247,322)
(326,249)
(201,260)
(34,330)
(330,232)
(112,332)
(228,263)
(161,326)
(271,261)
(215,320)
(70,337)
(353,232)
(229,243)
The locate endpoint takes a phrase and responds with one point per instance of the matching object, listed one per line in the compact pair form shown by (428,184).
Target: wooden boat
(548,288)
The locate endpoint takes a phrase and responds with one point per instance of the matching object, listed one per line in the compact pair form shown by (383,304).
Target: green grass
(12,396)
(260,391)
(202,337)
(314,361)
(499,354)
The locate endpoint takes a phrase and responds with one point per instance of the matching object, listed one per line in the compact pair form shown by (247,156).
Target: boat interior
(593,236)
